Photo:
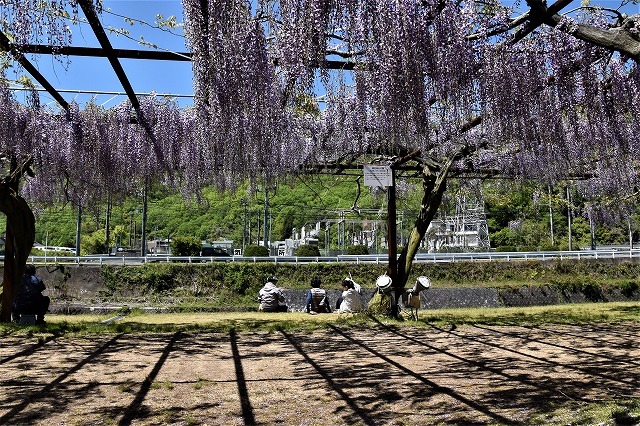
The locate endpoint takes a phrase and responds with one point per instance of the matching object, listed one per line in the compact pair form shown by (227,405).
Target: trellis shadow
(10,416)
(28,351)
(134,411)
(362,414)
(433,385)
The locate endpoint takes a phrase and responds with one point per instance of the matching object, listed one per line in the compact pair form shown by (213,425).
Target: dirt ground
(471,375)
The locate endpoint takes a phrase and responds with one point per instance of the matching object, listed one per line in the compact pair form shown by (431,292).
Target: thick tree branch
(620,39)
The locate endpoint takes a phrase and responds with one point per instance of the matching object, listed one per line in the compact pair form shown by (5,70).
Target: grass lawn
(139,321)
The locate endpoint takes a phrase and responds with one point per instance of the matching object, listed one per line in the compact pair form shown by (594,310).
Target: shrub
(96,243)
(357,250)
(505,248)
(256,251)
(185,246)
(547,246)
(629,288)
(504,237)
(308,251)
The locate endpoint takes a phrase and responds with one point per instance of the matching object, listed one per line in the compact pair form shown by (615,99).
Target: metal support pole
(392,267)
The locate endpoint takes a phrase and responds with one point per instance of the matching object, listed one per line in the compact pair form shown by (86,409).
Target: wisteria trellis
(453,79)
(424,68)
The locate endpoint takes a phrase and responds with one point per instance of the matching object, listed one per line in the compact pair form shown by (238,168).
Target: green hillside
(519,215)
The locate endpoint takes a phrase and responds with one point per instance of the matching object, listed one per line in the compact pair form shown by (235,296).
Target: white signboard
(237,252)
(377,175)
(281,252)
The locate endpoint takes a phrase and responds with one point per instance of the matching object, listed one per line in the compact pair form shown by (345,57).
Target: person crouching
(30,300)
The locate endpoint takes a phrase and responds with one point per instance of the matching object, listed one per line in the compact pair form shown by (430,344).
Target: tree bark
(620,38)
(434,185)
(19,238)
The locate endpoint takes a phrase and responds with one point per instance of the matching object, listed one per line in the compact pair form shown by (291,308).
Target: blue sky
(174,77)
(96,74)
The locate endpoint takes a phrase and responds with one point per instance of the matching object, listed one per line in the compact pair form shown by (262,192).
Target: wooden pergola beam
(156,55)
(92,18)
(7,46)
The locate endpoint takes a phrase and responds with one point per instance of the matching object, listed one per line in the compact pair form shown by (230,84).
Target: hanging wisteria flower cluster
(89,154)
(437,75)
(241,126)
(34,21)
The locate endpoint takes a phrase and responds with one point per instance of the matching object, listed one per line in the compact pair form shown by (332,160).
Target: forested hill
(518,215)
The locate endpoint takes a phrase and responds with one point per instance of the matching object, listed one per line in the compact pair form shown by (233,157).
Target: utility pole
(569,218)
(108,226)
(592,227)
(553,242)
(244,224)
(249,222)
(78,230)
(265,227)
(143,231)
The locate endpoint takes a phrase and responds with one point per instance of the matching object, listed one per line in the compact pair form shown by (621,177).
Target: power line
(100,92)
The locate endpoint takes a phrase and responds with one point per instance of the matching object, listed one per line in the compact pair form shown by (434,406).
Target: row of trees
(521,217)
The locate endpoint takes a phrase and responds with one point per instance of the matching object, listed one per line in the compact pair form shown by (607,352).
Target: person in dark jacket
(30,300)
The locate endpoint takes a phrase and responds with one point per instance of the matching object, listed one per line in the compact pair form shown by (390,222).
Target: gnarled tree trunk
(19,238)
(434,185)
(434,177)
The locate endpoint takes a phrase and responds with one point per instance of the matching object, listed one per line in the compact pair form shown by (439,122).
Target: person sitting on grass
(271,298)
(30,300)
(317,301)
(350,299)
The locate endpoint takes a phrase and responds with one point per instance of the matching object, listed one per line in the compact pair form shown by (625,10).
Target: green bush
(96,243)
(357,249)
(308,251)
(547,246)
(505,248)
(504,238)
(525,248)
(256,251)
(629,288)
(185,246)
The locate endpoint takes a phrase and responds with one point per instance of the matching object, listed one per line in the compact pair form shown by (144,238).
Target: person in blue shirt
(317,301)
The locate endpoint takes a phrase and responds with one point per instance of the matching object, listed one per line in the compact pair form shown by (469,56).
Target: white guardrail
(371,258)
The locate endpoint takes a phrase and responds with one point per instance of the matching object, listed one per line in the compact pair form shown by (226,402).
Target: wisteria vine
(551,106)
